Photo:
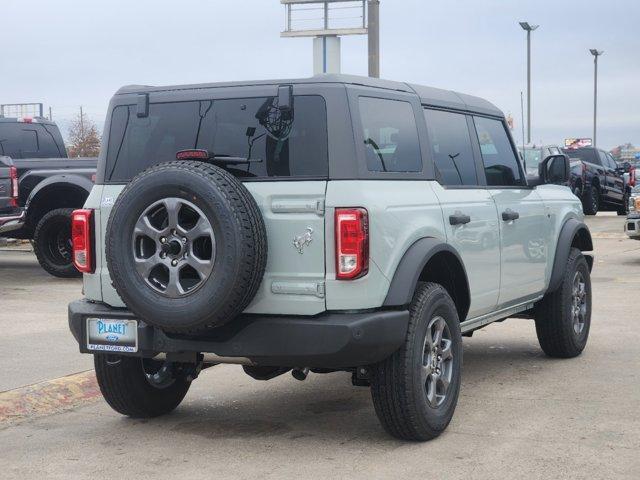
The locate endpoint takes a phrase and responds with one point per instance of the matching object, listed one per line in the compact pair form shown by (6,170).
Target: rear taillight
(352,243)
(81,222)
(632,177)
(584,169)
(13,175)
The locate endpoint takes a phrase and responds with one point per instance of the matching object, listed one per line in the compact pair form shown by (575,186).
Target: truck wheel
(624,208)
(52,243)
(415,391)
(186,246)
(563,317)
(139,388)
(591,201)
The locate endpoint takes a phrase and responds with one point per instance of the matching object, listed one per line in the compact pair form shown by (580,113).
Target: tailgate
(293,212)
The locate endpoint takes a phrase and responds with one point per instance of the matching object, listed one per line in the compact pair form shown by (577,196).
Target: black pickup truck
(41,188)
(597,180)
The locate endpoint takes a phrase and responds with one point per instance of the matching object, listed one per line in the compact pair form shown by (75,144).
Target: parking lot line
(48,397)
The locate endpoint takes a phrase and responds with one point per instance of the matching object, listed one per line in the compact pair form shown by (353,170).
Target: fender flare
(74,180)
(568,232)
(407,274)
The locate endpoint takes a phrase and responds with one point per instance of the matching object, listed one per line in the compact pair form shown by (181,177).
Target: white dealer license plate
(110,335)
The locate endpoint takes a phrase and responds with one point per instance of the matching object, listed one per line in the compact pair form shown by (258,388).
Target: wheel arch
(430,259)
(576,234)
(56,192)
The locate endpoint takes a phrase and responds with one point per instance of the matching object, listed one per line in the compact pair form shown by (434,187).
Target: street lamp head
(596,53)
(528,27)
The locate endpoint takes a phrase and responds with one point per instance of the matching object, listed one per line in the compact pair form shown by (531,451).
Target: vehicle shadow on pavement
(327,406)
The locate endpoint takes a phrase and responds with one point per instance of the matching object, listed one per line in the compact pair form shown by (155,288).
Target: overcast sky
(67,53)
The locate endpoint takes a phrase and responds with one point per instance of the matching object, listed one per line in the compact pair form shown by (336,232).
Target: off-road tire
(399,396)
(55,257)
(554,322)
(125,388)
(591,201)
(241,246)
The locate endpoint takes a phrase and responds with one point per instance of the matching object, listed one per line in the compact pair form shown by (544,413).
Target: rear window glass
(250,128)
(586,154)
(390,135)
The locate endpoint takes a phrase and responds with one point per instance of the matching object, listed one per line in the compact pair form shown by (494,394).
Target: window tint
(390,135)
(500,163)
(451,147)
(251,128)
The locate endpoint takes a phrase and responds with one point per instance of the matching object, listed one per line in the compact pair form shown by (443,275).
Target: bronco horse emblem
(301,241)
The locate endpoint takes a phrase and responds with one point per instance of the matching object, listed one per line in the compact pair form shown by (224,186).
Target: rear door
(615,181)
(525,228)
(287,175)
(470,216)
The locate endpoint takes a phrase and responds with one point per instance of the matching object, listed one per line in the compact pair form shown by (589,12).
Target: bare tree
(84,140)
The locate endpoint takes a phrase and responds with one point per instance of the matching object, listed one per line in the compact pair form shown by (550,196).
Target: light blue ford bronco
(334,223)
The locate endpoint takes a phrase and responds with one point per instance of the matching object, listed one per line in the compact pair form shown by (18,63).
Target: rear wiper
(205,156)
(230,160)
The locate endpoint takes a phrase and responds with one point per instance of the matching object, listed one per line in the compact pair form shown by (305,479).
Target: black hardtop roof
(428,95)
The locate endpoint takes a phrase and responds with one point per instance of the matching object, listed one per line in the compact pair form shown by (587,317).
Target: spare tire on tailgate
(186,246)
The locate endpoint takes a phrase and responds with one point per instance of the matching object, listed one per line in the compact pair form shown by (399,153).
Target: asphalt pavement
(520,414)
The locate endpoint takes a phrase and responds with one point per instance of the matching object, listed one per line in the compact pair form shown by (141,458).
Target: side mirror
(555,169)
(285,101)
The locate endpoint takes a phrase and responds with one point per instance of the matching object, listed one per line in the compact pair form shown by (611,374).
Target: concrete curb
(48,397)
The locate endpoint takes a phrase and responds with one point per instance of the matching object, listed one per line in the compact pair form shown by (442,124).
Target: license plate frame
(111,334)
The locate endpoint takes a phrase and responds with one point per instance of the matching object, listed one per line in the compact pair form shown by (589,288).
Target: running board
(481,321)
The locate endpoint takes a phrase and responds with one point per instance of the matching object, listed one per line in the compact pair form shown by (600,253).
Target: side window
(500,163)
(554,151)
(28,140)
(451,147)
(390,135)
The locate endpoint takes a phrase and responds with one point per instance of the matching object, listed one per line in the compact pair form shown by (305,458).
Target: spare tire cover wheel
(186,246)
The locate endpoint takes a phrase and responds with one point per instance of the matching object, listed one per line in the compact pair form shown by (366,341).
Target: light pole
(529,28)
(596,54)
(374,38)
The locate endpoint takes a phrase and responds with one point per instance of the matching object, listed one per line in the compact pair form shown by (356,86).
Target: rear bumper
(11,222)
(329,340)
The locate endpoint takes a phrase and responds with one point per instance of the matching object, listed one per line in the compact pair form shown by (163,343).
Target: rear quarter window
(251,128)
(390,135)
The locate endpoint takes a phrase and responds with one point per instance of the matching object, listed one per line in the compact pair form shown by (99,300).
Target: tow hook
(300,373)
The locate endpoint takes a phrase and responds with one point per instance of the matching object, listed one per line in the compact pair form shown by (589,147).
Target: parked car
(11,215)
(597,180)
(632,225)
(50,186)
(335,223)
(533,155)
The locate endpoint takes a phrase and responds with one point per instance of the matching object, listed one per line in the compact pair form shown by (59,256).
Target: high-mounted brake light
(352,243)
(27,120)
(194,154)
(81,224)
(13,175)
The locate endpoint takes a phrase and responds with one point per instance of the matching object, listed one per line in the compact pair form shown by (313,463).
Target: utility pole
(596,54)
(374,38)
(50,115)
(528,28)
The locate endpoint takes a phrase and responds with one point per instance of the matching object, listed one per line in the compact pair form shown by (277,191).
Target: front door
(470,217)
(525,227)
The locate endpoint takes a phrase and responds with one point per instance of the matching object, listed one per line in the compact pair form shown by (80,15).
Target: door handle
(459,219)
(509,215)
